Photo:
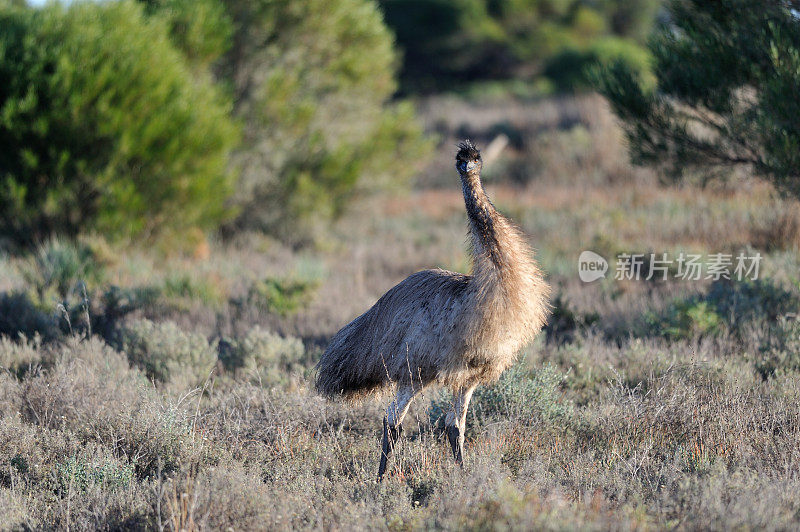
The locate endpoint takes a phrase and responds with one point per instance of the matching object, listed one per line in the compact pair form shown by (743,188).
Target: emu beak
(471,165)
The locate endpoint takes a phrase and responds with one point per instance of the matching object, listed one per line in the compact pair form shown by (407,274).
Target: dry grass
(633,415)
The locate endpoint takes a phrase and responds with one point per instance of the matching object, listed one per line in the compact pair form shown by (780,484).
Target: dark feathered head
(468,158)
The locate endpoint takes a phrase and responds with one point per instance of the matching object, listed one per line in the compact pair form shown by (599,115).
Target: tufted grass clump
(168,354)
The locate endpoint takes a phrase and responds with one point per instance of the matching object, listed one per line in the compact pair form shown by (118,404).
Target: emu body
(441,327)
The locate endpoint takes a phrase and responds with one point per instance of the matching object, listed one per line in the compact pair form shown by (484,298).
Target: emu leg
(456,443)
(456,422)
(390,437)
(392,424)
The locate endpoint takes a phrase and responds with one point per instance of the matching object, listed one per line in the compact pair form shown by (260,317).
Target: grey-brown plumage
(441,327)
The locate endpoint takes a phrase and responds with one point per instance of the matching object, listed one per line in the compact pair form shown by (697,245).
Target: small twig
(85,304)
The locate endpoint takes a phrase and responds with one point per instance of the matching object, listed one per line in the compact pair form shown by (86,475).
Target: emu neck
(484,223)
(511,294)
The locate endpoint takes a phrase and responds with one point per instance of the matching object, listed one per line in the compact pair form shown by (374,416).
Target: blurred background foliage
(140,119)
(145,119)
(727,74)
(449,44)
(312,82)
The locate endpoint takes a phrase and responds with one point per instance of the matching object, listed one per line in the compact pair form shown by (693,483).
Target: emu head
(468,159)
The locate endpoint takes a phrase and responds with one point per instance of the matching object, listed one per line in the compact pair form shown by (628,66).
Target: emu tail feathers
(347,369)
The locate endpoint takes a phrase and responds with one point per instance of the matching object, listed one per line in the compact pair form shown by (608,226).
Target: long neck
(510,304)
(485,223)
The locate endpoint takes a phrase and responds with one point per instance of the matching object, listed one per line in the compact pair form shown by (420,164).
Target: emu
(441,327)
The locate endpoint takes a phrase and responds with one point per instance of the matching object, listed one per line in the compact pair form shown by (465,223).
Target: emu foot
(390,437)
(456,443)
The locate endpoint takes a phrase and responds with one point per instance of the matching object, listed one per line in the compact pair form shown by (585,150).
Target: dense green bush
(281,296)
(683,319)
(201,29)
(105,126)
(122,116)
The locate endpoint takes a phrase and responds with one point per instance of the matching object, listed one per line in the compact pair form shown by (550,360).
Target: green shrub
(186,286)
(79,473)
(264,357)
(519,395)
(686,319)
(450,43)
(167,354)
(104,126)
(573,69)
(201,29)
(281,296)
(727,75)
(61,274)
(57,267)
(727,305)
